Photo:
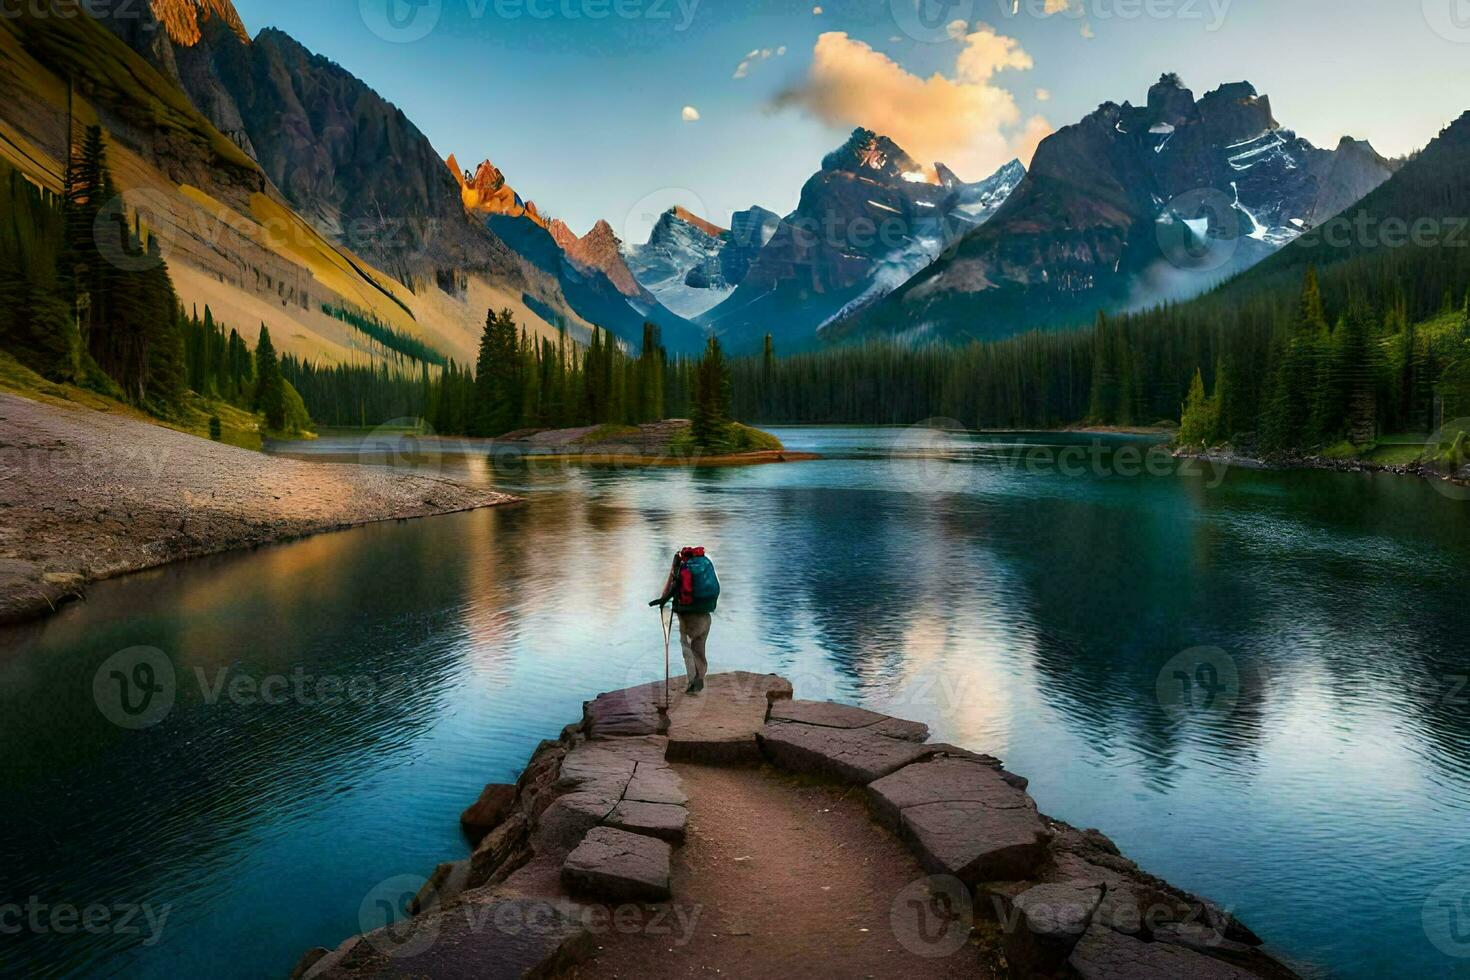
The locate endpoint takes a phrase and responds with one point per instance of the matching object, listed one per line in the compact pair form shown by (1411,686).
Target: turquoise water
(336,701)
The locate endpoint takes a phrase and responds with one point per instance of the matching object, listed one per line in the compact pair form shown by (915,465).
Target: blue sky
(581,102)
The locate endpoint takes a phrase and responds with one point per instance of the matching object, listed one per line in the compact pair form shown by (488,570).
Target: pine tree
(711,398)
(270,391)
(1199,417)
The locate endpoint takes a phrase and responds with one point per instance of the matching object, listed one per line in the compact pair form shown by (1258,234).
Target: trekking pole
(668,627)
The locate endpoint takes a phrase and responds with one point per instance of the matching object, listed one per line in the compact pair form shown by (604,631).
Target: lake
(1254,682)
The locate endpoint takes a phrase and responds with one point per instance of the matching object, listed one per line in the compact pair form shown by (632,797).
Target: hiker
(695,590)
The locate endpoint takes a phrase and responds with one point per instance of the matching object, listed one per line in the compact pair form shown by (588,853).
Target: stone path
(853,847)
(781,878)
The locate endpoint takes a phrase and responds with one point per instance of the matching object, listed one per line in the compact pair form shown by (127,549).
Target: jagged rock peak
(690,218)
(872,155)
(1169,101)
(486,191)
(182,19)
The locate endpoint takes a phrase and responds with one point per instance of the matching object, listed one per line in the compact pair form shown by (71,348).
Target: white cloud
(957,29)
(690,114)
(1043,95)
(755,57)
(816,11)
(965,121)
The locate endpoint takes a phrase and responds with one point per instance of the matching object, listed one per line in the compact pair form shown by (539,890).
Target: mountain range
(1131,206)
(285,190)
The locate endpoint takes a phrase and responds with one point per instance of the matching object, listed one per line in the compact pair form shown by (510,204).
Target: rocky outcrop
(600,249)
(598,813)
(486,813)
(486,192)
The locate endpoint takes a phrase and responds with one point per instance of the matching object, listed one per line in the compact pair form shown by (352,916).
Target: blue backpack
(697,589)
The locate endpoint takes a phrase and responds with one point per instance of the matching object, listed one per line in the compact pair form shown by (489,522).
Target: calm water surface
(1021,610)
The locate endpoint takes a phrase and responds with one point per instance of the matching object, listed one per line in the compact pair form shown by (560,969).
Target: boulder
(828,714)
(500,852)
(964,819)
(849,755)
(1045,922)
(485,814)
(1104,954)
(665,821)
(617,866)
(444,885)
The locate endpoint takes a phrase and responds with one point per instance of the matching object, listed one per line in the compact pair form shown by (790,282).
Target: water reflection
(1016,609)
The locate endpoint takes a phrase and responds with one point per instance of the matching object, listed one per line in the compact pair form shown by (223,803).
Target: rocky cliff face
(867,221)
(1132,205)
(341,155)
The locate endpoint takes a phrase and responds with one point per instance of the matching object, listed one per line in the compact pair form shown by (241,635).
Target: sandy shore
(86,495)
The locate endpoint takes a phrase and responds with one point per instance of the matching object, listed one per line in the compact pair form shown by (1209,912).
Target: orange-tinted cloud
(967,121)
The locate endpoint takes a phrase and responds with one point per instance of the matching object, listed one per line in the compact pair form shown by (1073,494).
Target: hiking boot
(692,688)
(696,687)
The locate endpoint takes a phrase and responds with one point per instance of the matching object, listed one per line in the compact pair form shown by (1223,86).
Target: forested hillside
(1359,329)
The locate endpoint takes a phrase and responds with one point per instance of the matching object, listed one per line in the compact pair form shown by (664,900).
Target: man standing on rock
(695,591)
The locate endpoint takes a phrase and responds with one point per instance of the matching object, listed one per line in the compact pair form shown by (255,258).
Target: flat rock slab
(500,939)
(666,821)
(964,819)
(1103,954)
(719,724)
(829,714)
(656,783)
(617,866)
(594,779)
(849,755)
(630,711)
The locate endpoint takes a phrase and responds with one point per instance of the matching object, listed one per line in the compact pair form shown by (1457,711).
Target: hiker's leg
(686,644)
(699,633)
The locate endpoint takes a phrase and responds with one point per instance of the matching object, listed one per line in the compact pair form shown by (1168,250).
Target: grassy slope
(237,427)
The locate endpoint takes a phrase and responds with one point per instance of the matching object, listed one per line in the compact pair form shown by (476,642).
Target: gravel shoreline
(88,495)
